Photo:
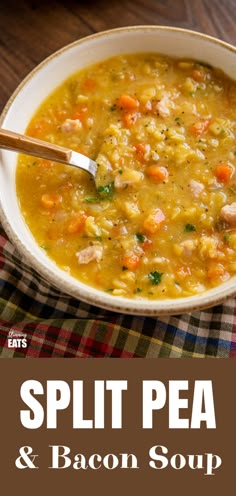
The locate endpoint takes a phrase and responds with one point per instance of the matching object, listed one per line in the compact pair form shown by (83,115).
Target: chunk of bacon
(196,187)
(71,125)
(90,254)
(228,213)
(163,107)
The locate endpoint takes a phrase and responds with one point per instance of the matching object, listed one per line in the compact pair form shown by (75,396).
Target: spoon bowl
(31,146)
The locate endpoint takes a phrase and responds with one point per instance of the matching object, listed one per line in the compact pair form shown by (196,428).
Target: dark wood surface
(32,30)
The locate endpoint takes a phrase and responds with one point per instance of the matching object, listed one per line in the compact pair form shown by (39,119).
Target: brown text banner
(111,426)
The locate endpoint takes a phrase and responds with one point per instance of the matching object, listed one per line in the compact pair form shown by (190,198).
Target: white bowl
(39,84)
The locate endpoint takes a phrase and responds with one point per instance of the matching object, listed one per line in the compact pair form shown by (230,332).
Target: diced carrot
(130,118)
(141,150)
(200,127)
(157,173)
(127,102)
(216,272)
(130,261)
(154,221)
(198,75)
(77,223)
(51,200)
(224,172)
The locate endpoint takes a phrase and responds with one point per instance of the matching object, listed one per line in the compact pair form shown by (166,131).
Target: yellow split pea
(161,222)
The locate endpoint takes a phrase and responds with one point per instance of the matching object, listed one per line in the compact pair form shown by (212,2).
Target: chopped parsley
(106,191)
(91,199)
(137,290)
(141,238)
(189,228)
(155,277)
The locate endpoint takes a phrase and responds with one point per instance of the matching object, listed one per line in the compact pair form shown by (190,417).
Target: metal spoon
(38,148)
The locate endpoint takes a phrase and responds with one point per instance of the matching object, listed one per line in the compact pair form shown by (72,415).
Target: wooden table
(32,30)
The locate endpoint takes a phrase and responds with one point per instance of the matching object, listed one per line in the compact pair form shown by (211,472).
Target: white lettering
(78,406)
(116,388)
(57,457)
(61,459)
(37,409)
(55,389)
(149,403)
(203,393)
(176,404)
(209,462)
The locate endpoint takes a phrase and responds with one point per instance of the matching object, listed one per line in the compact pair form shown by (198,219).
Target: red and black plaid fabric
(54,324)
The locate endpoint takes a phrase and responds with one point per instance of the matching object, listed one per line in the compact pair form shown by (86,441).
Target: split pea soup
(161,220)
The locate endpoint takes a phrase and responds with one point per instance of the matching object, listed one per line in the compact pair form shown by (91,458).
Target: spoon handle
(32,146)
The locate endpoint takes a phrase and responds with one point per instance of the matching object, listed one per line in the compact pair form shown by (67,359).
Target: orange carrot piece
(127,102)
(130,118)
(130,261)
(224,172)
(154,221)
(157,173)
(216,272)
(200,127)
(76,225)
(51,200)
(141,150)
(198,75)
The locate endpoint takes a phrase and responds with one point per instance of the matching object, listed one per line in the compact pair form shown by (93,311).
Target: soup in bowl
(156,234)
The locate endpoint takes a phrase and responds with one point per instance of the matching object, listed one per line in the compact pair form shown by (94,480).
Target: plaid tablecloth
(56,325)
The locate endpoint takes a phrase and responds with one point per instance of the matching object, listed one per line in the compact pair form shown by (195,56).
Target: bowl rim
(88,294)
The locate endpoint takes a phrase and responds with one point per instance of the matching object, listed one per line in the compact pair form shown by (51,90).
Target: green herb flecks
(189,228)
(107,190)
(155,277)
(140,237)
(92,199)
